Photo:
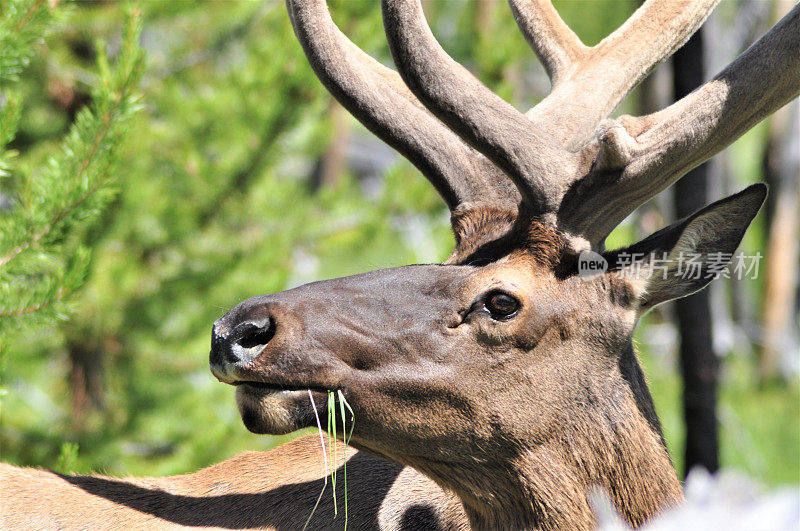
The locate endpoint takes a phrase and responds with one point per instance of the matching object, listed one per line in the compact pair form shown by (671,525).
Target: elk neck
(616,444)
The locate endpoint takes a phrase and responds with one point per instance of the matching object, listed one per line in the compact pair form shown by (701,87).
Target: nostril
(248,335)
(261,337)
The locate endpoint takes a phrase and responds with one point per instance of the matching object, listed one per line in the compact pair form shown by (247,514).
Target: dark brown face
(441,361)
(456,369)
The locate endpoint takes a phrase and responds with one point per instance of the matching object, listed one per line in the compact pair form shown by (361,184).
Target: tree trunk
(86,381)
(333,163)
(699,364)
(781,166)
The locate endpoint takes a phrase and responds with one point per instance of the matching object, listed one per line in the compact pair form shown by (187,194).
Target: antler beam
(640,156)
(484,120)
(379,99)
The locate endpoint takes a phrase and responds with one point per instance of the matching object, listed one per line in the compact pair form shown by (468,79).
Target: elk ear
(684,257)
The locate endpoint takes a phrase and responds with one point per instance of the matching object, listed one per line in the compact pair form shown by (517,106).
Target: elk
(495,389)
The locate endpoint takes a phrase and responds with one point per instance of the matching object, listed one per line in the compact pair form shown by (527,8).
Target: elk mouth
(279,387)
(273,407)
(241,379)
(279,408)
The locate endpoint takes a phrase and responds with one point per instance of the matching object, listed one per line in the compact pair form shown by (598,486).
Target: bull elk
(493,390)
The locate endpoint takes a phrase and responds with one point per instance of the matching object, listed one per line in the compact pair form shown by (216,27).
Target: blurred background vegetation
(230,172)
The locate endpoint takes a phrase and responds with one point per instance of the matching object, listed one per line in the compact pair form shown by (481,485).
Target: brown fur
(518,414)
(485,234)
(605,431)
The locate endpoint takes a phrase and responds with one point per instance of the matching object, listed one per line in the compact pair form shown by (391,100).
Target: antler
(556,45)
(589,83)
(637,157)
(379,99)
(484,120)
(573,169)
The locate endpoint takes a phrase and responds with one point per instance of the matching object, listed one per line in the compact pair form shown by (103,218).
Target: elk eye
(501,304)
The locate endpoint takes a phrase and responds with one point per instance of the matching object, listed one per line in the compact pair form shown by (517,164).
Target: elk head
(503,374)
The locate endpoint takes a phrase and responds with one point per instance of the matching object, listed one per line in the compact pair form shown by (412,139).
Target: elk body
(502,377)
(266,490)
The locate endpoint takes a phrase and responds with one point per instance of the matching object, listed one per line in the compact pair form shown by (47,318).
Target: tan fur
(251,490)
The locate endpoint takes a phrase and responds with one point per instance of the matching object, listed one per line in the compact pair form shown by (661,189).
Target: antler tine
(641,156)
(480,117)
(607,71)
(379,99)
(556,45)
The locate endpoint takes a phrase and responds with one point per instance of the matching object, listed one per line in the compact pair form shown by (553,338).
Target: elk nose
(243,343)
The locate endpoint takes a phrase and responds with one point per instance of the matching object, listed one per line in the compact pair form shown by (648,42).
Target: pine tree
(43,255)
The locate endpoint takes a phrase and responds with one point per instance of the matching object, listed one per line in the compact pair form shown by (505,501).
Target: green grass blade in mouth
(330,454)
(332,446)
(342,404)
(324,457)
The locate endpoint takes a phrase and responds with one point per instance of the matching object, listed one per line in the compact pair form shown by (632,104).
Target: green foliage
(214,208)
(330,454)
(593,20)
(42,257)
(67,457)
(765,446)
(22,24)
